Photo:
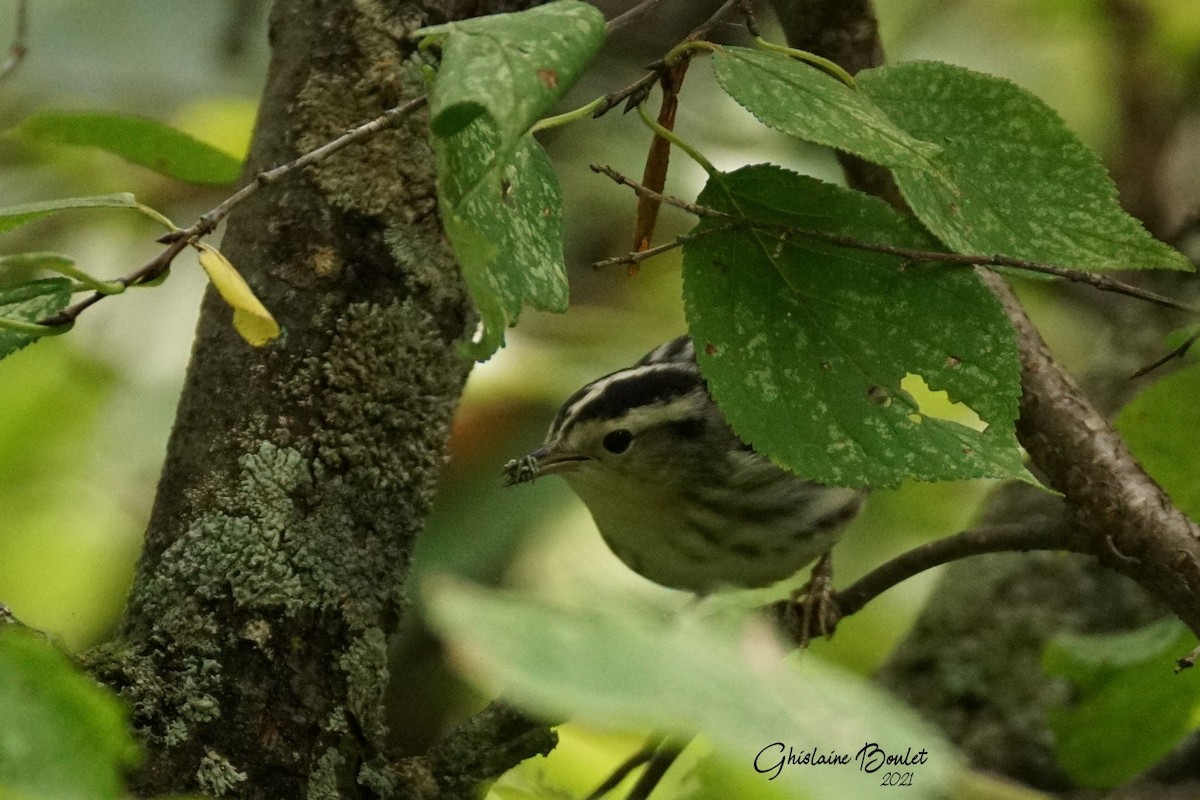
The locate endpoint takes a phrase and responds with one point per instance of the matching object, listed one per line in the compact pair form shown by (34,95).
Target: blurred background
(84,418)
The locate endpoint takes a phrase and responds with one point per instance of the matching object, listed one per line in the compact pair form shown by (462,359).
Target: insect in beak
(540,462)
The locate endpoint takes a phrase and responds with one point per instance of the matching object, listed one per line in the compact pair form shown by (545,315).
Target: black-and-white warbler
(675,493)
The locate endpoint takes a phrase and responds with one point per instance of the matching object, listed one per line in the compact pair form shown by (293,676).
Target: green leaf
(30,302)
(804,343)
(15,216)
(138,140)
(34,261)
(803,101)
(61,734)
(621,666)
(506,228)
(1122,682)
(511,66)
(1154,425)
(1015,179)
(499,198)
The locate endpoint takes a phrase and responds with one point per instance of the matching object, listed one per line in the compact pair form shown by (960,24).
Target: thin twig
(1178,352)
(177,240)
(747,9)
(633,258)
(17,51)
(636,92)
(691,208)
(658,765)
(208,221)
(627,18)
(1095,280)
(642,756)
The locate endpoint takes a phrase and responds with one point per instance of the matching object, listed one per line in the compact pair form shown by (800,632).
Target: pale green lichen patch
(240,553)
(323,780)
(166,703)
(384,390)
(365,665)
(217,776)
(312,525)
(384,175)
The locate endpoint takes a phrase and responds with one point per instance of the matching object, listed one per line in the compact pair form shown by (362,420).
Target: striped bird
(675,493)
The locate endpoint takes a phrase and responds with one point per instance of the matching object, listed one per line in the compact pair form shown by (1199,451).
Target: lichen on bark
(298,475)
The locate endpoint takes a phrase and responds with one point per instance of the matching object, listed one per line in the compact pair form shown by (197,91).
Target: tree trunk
(298,475)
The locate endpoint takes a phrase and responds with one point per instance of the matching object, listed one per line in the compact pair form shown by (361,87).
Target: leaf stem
(63,265)
(36,329)
(157,216)
(86,281)
(583,112)
(827,66)
(686,48)
(674,139)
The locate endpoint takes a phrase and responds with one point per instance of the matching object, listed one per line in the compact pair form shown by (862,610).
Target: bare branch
(485,746)
(643,191)
(1110,496)
(635,258)
(642,756)
(627,18)
(1178,352)
(636,92)
(1095,280)
(1035,534)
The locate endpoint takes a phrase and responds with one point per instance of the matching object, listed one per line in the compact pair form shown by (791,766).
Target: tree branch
(636,92)
(1096,280)
(487,745)
(1111,499)
(632,15)
(1034,534)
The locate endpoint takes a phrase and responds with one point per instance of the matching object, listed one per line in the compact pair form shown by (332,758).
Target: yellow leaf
(250,318)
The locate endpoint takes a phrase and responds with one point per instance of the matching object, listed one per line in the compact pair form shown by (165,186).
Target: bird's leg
(819,614)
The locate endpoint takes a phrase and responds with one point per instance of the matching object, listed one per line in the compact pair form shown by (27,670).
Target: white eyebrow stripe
(594,391)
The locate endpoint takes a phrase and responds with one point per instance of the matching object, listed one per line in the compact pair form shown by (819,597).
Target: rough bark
(297,476)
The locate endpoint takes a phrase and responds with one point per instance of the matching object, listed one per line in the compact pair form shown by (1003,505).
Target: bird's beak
(543,461)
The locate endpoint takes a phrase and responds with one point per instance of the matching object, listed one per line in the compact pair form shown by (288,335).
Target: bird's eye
(617,441)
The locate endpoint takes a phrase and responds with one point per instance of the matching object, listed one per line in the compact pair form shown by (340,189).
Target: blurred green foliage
(84,417)
(1122,682)
(61,735)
